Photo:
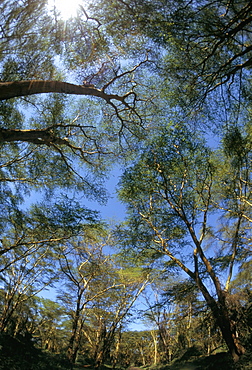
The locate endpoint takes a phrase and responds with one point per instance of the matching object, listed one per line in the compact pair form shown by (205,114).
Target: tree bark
(14,89)
(45,136)
(220,313)
(219,308)
(75,338)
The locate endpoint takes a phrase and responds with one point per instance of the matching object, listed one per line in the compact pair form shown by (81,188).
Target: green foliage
(207,44)
(234,143)
(172,191)
(169,163)
(189,206)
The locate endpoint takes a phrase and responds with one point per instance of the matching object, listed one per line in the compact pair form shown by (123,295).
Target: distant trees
(94,300)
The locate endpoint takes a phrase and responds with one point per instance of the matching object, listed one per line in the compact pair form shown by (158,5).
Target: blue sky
(113,210)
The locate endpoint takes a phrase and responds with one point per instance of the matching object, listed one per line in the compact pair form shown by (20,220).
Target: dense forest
(158,93)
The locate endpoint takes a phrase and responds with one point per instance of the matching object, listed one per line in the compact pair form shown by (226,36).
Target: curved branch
(14,89)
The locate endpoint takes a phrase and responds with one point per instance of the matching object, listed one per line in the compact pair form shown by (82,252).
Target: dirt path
(171,367)
(185,367)
(174,367)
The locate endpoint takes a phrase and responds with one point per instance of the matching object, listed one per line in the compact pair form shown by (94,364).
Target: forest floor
(185,366)
(219,361)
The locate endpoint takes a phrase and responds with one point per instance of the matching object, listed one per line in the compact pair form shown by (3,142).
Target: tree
(158,314)
(74,96)
(97,297)
(45,227)
(172,192)
(30,244)
(21,281)
(52,142)
(181,323)
(112,311)
(135,348)
(48,330)
(80,264)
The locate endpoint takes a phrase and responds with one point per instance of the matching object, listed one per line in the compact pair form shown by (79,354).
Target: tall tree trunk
(154,338)
(74,340)
(229,333)
(117,347)
(218,308)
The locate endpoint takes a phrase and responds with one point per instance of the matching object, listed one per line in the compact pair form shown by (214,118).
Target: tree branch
(14,89)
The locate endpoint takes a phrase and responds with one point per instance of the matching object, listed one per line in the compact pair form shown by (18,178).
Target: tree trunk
(218,308)
(75,338)
(229,334)
(154,337)
(117,347)
(220,313)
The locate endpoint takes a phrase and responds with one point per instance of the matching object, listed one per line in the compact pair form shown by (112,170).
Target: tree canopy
(161,90)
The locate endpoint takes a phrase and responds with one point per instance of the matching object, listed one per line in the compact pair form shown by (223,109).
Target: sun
(67,8)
